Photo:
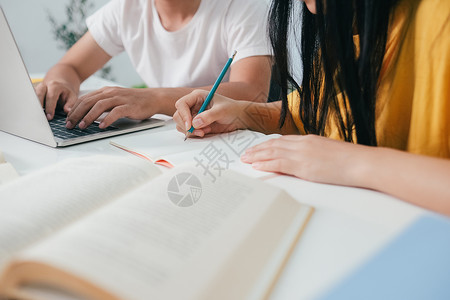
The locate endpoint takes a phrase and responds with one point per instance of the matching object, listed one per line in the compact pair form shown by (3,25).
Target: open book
(107,227)
(7,171)
(169,149)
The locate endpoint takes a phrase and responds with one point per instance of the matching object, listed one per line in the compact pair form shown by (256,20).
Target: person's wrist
(157,102)
(363,171)
(242,113)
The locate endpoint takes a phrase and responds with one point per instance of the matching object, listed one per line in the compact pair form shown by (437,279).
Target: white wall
(29,23)
(296,66)
(293,43)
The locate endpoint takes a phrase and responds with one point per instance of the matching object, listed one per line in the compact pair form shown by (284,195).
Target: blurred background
(35,34)
(43,30)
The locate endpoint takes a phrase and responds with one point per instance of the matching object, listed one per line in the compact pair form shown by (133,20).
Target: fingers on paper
(188,105)
(271,156)
(207,118)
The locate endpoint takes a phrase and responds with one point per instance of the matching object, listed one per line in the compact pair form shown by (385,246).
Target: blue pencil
(213,90)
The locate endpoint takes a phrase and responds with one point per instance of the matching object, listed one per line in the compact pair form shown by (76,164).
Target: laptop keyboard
(58,126)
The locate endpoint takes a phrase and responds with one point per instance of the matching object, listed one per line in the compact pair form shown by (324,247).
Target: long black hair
(332,64)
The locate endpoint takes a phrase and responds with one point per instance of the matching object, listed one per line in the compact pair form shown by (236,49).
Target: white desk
(347,227)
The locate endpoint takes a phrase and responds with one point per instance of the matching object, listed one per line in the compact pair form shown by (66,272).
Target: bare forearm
(264,117)
(243,91)
(420,180)
(66,73)
(166,97)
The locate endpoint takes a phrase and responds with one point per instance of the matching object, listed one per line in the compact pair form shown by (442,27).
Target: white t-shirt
(190,57)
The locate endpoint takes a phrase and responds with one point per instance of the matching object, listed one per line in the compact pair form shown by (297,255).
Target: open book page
(214,153)
(214,159)
(40,292)
(7,171)
(171,239)
(36,205)
(156,146)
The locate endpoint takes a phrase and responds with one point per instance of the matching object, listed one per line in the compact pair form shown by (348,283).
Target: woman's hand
(310,157)
(421,180)
(222,115)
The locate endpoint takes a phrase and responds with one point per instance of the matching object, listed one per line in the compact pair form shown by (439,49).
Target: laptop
(21,113)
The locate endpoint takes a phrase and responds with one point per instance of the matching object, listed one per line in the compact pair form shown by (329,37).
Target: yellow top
(413,99)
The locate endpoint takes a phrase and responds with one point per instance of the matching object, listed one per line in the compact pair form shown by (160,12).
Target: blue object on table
(415,265)
(215,86)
